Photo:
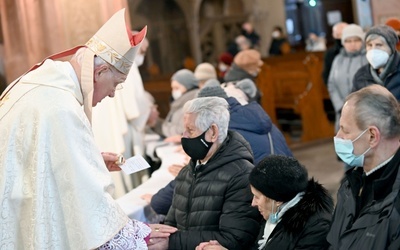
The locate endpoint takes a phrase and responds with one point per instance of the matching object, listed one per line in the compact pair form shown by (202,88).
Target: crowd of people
(241,187)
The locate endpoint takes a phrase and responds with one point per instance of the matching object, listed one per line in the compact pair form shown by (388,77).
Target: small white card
(134,164)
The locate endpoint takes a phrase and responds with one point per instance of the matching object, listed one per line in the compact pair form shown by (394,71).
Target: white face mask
(176,94)
(377,58)
(276,34)
(139,59)
(222,67)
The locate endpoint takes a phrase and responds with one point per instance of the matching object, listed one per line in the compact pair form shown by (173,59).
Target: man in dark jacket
(384,61)
(367,214)
(212,199)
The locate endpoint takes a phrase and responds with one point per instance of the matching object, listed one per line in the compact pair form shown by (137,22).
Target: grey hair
(375,36)
(210,110)
(78,57)
(376,106)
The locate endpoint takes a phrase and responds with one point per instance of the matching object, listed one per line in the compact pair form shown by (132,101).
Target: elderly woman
(184,86)
(384,61)
(345,65)
(297,211)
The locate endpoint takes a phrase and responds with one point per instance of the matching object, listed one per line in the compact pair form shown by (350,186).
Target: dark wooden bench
(293,82)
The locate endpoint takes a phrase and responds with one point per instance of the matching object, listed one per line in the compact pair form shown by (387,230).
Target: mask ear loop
(273,217)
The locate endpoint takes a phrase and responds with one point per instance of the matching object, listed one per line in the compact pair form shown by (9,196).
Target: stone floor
(322,164)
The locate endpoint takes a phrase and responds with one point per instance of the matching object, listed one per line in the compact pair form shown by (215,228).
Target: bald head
(337,30)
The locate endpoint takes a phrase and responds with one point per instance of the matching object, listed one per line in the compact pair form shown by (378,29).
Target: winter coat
(390,78)
(235,74)
(254,124)
(340,82)
(375,225)
(213,201)
(172,124)
(305,225)
(329,56)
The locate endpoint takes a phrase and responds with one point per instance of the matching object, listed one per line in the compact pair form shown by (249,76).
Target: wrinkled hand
(158,244)
(110,159)
(210,245)
(159,236)
(161,230)
(147,197)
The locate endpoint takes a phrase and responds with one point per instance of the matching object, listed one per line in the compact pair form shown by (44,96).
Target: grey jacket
(340,81)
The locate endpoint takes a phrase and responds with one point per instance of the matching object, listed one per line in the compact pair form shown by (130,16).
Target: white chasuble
(55,190)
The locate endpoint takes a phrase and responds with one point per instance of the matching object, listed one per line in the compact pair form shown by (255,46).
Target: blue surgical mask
(344,149)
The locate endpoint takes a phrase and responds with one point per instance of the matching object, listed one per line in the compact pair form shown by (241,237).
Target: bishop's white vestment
(55,190)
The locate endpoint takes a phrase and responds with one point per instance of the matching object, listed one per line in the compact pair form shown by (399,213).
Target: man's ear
(102,69)
(214,132)
(375,136)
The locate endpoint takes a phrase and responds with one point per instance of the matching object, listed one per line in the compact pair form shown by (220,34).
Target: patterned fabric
(130,237)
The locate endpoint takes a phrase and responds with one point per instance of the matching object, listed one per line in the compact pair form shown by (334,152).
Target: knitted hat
(205,71)
(394,23)
(386,32)
(248,87)
(248,60)
(279,177)
(352,30)
(186,78)
(212,87)
(226,58)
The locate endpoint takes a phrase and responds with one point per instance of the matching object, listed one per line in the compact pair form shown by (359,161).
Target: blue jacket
(254,124)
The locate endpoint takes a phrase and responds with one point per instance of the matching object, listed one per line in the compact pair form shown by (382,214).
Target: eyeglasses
(119,86)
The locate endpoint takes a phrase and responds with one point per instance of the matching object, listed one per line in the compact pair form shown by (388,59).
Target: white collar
(379,166)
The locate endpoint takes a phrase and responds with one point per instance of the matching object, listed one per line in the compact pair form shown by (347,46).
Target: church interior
(185,33)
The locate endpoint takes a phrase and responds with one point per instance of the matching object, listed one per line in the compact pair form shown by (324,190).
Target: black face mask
(197,148)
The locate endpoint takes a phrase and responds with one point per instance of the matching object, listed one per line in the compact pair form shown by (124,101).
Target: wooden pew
(294,82)
(160,88)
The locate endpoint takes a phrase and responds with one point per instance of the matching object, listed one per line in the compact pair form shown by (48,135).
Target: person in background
(395,24)
(383,59)
(244,91)
(249,32)
(297,211)
(344,67)
(331,52)
(224,63)
(184,86)
(367,212)
(246,64)
(55,186)
(279,43)
(250,120)
(212,195)
(240,43)
(203,72)
(315,43)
